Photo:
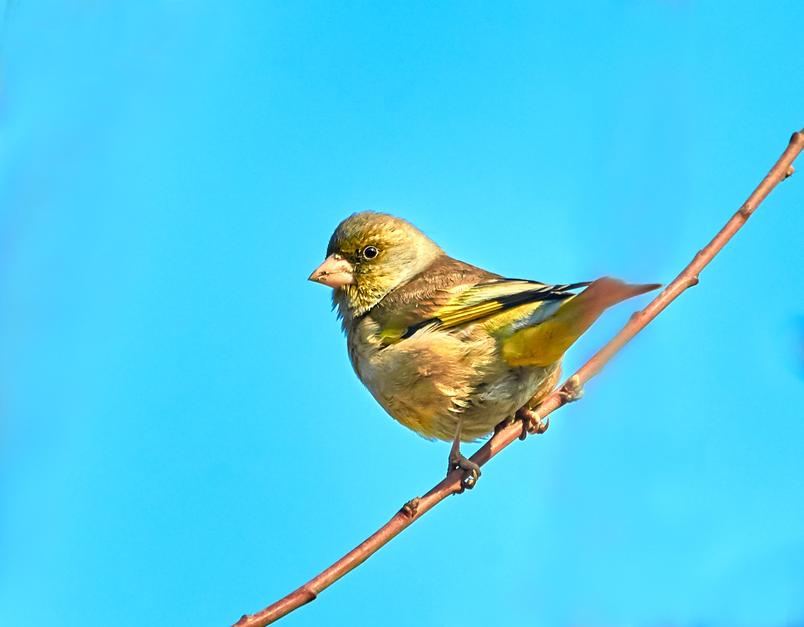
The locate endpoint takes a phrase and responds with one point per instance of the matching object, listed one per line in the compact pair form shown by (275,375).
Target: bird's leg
(458,461)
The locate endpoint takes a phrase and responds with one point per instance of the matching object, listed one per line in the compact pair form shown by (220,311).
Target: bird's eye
(370,252)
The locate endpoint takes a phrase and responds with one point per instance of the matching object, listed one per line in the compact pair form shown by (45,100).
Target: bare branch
(416,508)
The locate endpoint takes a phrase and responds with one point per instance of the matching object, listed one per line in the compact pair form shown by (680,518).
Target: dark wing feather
(450,293)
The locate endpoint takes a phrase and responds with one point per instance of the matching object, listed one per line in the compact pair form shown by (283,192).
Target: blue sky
(182,438)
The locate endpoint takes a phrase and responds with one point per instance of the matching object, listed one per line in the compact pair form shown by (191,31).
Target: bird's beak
(334,272)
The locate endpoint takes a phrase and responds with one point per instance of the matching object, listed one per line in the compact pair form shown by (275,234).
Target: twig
(416,508)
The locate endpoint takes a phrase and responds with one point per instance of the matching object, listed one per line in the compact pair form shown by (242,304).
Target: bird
(448,349)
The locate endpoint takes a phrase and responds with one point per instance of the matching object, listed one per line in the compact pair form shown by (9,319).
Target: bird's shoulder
(426,293)
(435,285)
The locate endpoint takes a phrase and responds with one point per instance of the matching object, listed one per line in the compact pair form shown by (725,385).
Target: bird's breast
(431,379)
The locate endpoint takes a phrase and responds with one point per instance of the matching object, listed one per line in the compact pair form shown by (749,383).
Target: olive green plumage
(443,345)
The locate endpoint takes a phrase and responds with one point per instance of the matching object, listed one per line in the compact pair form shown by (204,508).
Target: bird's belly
(496,399)
(427,383)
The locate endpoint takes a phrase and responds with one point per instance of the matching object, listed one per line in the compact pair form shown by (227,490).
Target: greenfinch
(448,349)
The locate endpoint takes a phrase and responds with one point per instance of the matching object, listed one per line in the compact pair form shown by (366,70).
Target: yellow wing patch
(545,343)
(488,299)
(468,314)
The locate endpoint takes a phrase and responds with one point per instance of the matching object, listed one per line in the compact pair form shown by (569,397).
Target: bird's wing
(491,298)
(451,293)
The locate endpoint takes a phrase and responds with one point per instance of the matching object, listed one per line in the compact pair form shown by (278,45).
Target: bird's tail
(546,342)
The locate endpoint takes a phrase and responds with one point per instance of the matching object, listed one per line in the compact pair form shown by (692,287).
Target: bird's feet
(530,419)
(470,468)
(532,422)
(572,390)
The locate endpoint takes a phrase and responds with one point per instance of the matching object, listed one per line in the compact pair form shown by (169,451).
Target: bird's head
(370,254)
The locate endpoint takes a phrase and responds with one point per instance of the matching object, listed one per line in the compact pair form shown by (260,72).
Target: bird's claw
(532,422)
(470,468)
(572,390)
